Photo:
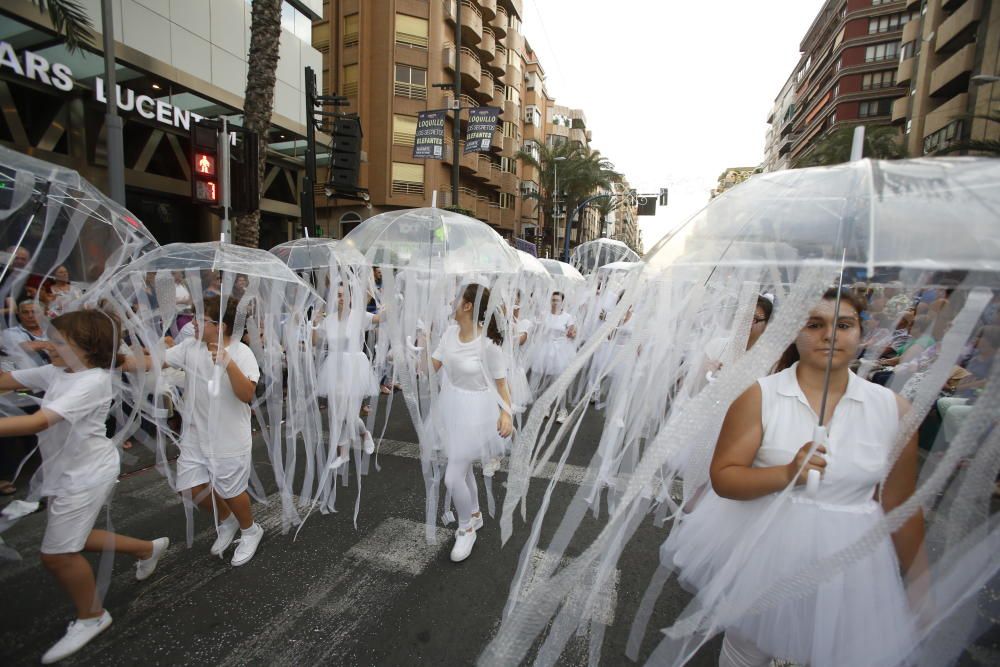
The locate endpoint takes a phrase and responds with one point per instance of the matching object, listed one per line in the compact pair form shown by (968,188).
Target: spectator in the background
(26,345)
(896,300)
(214,282)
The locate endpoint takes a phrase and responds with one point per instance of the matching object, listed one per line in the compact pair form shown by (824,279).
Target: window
(509,129)
(513,95)
(411,31)
(875,108)
(411,82)
(876,80)
(876,3)
(349,84)
(352,30)
(407,179)
(879,52)
(944,137)
(532,149)
(910,49)
(887,23)
(508,165)
(532,116)
(404,130)
(507,200)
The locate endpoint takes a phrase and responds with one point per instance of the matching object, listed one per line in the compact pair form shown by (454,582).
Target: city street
(378,595)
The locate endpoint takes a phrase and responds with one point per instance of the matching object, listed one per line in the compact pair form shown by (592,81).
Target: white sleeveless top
(861,431)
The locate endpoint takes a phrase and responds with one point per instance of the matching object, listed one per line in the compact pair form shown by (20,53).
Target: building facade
(177,60)
(952,42)
(389,59)
(846,75)
(732,177)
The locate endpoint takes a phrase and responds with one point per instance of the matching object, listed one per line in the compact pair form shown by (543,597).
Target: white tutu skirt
(466,424)
(347,376)
(553,357)
(520,389)
(858,616)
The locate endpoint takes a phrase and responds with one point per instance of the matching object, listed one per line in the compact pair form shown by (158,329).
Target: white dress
(555,350)
(467,408)
(520,389)
(858,616)
(346,373)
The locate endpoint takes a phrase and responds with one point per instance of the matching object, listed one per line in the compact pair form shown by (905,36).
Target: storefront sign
(59,76)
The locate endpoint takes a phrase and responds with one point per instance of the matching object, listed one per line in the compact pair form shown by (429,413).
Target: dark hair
(469,294)
(96,332)
(765,305)
(791,353)
(213,308)
(561,295)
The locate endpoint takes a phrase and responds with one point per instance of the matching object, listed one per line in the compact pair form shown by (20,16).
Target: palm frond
(69,18)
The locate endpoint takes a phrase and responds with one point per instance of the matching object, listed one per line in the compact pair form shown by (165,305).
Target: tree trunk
(262,64)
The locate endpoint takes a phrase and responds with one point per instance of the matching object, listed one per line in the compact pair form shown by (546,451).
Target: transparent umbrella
(590,256)
(918,236)
(426,257)
(562,270)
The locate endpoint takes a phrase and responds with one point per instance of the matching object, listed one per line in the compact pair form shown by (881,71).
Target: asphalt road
(375,595)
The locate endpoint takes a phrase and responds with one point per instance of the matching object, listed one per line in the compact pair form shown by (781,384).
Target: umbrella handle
(215,384)
(820,437)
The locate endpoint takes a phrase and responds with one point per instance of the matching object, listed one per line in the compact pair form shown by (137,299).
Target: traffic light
(345,154)
(204,165)
(663,196)
(245,197)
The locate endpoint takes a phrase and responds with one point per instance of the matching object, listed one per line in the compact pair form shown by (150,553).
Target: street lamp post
(555,198)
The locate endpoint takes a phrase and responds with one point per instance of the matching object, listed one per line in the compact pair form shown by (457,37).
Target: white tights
(739,652)
(460,481)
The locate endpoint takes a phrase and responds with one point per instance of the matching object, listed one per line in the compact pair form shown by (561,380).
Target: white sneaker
(78,634)
(464,539)
(227,531)
(144,568)
(247,547)
(369,443)
(477,522)
(339,461)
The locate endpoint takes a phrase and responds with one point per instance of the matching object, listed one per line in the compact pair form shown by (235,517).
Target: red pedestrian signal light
(204,164)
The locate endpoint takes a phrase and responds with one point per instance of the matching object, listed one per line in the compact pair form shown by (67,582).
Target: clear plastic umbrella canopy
(562,270)
(434,240)
(590,256)
(918,242)
(307,253)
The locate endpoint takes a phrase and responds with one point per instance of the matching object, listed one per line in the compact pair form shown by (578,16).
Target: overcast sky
(675,92)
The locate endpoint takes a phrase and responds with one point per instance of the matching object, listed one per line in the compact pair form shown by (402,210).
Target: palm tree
(988,147)
(258,103)
(68,18)
(589,173)
(881,143)
(549,168)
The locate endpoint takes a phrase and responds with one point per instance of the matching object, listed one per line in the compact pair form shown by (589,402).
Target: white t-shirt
(186,332)
(219,426)
(76,452)
(463,362)
(13,338)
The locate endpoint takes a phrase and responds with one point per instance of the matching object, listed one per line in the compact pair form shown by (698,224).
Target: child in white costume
(556,343)
(473,407)
(860,615)
(215,463)
(80,465)
(346,376)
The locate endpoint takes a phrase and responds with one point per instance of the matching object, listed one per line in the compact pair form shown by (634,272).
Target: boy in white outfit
(214,464)
(80,465)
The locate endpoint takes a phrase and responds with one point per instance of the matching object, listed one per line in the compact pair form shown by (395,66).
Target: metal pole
(555,204)
(456,130)
(112,122)
(308,206)
(224,178)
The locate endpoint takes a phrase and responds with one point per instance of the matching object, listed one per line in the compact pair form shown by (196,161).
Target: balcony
(486,86)
(513,76)
(488,47)
(945,113)
(483,167)
(499,22)
(511,111)
(467,199)
(578,135)
(901,109)
(952,75)
(494,178)
(905,71)
(471,69)
(960,24)
(508,147)
(489,8)
(468,163)
(499,63)
(508,182)
(493,217)
(472,20)
(911,32)
(508,217)
(514,41)
(482,207)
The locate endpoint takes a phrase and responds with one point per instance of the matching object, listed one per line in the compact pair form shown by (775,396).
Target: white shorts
(72,517)
(229,476)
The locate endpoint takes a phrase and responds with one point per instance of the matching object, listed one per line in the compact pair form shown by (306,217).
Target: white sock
(90,621)
(231,519)
(252,529)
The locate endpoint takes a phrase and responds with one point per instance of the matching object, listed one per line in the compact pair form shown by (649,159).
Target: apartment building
(177,60)
(388,56)
(847,75)
(950,61)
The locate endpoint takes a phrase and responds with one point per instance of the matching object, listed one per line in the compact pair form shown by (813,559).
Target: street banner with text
(482,125)
(429,141)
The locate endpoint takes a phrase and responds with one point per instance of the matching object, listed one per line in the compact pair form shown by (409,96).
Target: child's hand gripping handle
(820,438)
